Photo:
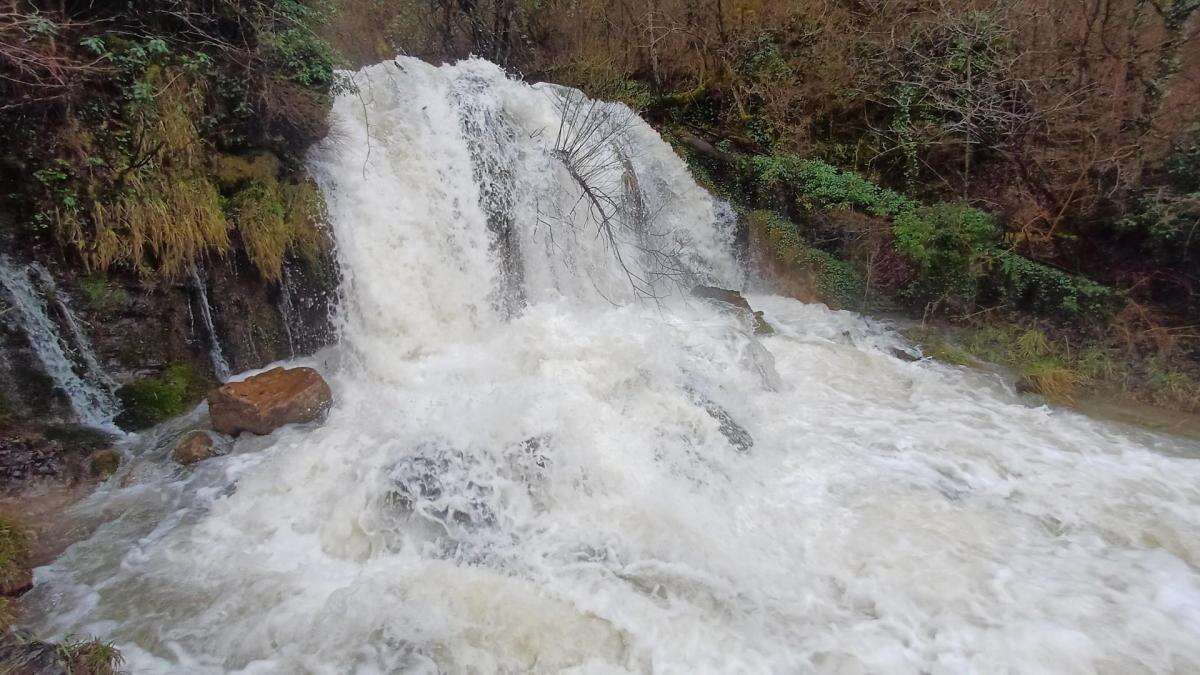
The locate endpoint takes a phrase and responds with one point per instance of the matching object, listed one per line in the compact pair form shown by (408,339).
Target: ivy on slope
(958,251)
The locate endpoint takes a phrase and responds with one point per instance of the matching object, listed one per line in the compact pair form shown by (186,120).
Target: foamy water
(528,469)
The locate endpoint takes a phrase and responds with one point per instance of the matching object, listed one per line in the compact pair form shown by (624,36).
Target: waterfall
(219,364)
(544,456)
(287,310)
(71,363)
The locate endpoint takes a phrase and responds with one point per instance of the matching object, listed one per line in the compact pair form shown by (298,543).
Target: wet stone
(193,447)
(267,401)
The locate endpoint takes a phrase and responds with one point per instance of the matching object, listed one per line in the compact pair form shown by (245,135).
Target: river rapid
(545,456)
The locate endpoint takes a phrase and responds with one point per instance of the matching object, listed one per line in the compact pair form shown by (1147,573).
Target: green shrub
(952,246)
(152,400)
(1049,291)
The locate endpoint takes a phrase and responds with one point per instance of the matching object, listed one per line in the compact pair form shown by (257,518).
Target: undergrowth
(1063,365)
(957,252)
(127,158)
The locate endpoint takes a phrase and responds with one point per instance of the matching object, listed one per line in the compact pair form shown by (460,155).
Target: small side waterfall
(287,309)
(71,363)
(83,345)
(219,364)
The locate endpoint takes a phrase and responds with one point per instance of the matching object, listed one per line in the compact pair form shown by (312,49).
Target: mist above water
(530,463)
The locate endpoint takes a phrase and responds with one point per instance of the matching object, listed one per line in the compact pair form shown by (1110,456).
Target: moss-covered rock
(152,400)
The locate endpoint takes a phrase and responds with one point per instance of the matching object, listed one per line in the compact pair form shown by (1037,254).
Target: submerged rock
(736,434)
(443,485)
(736,301)
(104,463)
(265,402)
(193,447)
(904,355)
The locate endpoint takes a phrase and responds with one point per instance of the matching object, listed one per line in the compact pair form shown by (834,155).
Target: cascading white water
(579,481)
(215,354)
(83,379)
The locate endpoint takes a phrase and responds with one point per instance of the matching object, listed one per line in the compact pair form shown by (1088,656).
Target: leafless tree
(588,144)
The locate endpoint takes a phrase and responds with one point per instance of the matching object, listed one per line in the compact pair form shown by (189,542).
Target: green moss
(152,400)
(78,437)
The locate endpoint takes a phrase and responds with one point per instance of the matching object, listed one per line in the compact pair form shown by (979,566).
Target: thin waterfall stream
(68,359)
(545,456)
(215,353)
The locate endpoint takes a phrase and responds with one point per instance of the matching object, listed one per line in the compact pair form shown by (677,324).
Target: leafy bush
(952,246)
(1047,290)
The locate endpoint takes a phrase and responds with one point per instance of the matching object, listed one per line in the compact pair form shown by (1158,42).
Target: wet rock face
(195,446)
(47,451)
(265,402)
(21,652)
(738,303)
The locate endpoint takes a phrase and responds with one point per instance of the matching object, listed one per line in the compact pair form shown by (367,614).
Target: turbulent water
(67,358)
(528,468)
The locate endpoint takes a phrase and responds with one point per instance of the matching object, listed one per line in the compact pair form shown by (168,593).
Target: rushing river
(533,465)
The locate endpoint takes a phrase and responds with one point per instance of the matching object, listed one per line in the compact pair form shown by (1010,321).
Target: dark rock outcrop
(738,303)
(267,401)
(736,434)
(29,452)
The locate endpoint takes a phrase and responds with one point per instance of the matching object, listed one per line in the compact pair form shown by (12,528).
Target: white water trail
(215,353)
(87,385)
(560,485)
(287,310)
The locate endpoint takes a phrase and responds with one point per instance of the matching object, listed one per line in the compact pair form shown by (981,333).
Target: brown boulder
(193,447)
(267,401)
